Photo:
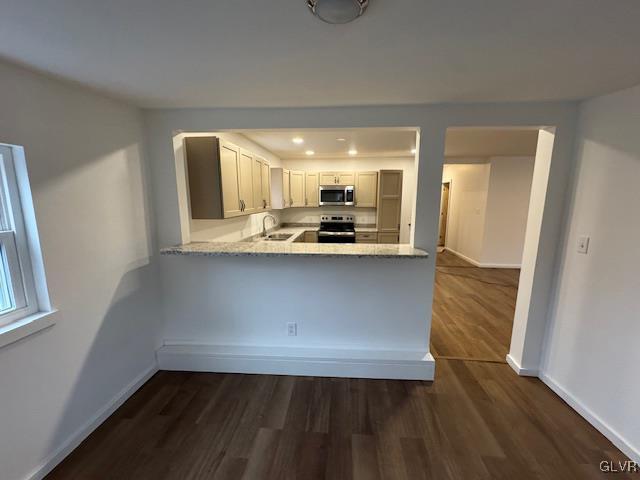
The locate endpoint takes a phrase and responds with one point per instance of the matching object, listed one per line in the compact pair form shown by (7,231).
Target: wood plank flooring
(473,310)
(478,420)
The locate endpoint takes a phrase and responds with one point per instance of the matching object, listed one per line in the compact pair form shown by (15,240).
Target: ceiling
(462,143)
(243,53)
(490,142)
(369,142)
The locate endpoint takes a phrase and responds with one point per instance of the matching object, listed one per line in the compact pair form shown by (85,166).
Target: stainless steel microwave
(337,195)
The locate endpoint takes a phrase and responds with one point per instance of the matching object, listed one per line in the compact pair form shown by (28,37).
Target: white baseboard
(523,372)
(94,422)
(618,440)
(476,263)
(315,362)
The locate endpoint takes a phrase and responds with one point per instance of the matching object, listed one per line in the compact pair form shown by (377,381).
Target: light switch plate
(583,244)
(292,329)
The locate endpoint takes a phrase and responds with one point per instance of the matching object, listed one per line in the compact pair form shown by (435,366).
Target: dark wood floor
(477,420)
(472,310)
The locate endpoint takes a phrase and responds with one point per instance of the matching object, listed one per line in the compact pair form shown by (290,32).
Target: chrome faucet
(264,223)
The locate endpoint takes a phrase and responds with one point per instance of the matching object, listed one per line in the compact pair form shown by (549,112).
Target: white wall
(467,208)
(507,210)
(592,352)
(488,209)
(88,177)
(406,164)
(230,229)
(432,122)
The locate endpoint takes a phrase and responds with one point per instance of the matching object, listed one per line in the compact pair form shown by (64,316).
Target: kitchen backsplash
(312,215)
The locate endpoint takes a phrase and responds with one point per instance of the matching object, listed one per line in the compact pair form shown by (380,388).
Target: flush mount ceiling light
(297,140)
(310,152)
(353,151)
(338,11)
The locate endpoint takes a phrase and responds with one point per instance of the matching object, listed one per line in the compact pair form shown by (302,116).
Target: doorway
(482,230)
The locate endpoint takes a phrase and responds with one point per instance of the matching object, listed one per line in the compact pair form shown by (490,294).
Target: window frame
(14,243)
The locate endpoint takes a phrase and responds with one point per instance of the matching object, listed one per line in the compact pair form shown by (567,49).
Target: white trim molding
(315,362)
(483,265)
(522,371)
(26,326)
(614,437)
(91,424)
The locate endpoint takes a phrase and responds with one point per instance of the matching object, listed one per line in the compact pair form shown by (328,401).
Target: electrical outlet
(583,244)
(292,329)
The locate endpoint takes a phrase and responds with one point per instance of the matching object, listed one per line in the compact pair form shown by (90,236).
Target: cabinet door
(328,178)
(346,178)
(266,185)
(258,200)
(297,188)
(388,238)
(246,182)
(366,189)
(311,189)
(230,179)
(389,203)
(286,189)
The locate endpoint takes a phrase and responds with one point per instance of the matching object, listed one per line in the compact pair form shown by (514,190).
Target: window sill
(24,327)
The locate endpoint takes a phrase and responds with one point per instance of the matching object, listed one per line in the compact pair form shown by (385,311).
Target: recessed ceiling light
(310,152)
(413,150)
(341,139)
(353,151)
(297,140)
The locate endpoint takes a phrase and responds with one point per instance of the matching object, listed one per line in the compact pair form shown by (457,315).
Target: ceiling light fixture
(341,139)
(337,11)
(353,151)
(310,152)
(413,150)
(297,140)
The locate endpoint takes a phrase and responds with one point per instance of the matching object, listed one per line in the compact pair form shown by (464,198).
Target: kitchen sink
(278,237)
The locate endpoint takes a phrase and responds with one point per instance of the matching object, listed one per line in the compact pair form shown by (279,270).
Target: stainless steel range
(337,229)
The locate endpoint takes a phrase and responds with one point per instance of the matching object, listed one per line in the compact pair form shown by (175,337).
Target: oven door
(332,195)
(336,237)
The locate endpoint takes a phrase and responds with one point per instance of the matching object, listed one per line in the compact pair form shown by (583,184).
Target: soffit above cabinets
(336,143)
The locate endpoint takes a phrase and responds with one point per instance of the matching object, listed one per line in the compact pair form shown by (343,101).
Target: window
(18,297)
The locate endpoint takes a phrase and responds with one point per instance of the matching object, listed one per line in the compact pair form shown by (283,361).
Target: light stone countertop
(256,246)
(286,249)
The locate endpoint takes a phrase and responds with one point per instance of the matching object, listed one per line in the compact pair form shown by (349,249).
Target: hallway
(472,310)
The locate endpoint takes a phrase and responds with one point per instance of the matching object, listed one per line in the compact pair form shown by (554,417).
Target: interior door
(230,178)
(444,212)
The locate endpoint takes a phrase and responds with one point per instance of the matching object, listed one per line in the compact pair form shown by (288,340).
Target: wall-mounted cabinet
(337,178)
(366,189)
(261,184)
(280,188)
(389,205)
(311,189)
(225,181)
(296,179)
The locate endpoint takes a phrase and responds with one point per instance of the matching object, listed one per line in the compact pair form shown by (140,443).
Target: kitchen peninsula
(251,288)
